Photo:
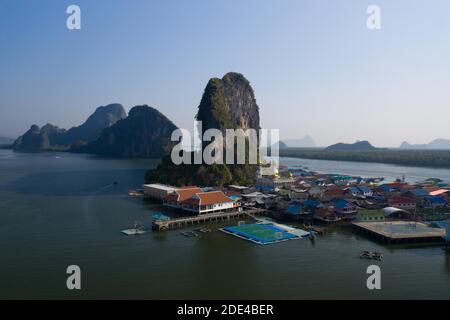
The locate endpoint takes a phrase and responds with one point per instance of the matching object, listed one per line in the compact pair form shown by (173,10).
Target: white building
(157,191)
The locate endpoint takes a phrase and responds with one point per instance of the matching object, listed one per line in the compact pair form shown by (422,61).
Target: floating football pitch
(260,233)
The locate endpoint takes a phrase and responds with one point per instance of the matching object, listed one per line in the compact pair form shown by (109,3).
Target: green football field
(260,233)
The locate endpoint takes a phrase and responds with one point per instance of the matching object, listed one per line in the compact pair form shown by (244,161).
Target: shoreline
(374,157)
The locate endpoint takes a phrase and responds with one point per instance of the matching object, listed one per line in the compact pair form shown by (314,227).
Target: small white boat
(136,193)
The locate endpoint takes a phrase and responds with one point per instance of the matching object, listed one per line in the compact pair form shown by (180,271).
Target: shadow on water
(77,183)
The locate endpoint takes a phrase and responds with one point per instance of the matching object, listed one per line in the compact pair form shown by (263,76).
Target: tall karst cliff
(145,133)
(227,103)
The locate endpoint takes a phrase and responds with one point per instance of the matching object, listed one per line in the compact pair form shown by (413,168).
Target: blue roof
(312,203)
(386,187)
(355,190)
(365,189)
(436,199)
(265,188)
(419,192)
(294,209)
(160,216)
(340,203)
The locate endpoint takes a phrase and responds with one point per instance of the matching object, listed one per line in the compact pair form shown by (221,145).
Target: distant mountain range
(52,138)
(442,144)
(145,133)
(357,146)
(305,142)
(4,140)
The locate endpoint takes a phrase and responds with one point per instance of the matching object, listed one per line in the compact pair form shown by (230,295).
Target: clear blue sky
(315,67)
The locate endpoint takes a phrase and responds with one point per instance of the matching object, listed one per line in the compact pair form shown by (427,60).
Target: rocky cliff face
(50,137)
(40,139)
(102,118)
(438,144)
(229,103)
(144,134)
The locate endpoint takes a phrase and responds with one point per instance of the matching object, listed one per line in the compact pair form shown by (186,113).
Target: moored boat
(371,255)
(135,231)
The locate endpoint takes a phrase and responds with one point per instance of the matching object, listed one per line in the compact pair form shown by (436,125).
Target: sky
(314,65)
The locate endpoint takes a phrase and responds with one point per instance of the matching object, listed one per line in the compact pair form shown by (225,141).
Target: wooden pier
(205,218)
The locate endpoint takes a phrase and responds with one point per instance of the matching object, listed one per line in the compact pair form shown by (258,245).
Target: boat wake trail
(88,205)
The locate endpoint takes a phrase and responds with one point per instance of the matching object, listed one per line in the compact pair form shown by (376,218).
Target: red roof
(183,194)
(394,200)
(334,191)
(208,198)
(400,185)
(439,192)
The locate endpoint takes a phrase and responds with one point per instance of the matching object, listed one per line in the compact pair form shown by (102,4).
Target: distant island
(6,141)
(280,145)
(438,144)
(144,133)
(357,146)
(53,138)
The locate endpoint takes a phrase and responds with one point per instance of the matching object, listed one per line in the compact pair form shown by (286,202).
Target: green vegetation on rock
(227,103)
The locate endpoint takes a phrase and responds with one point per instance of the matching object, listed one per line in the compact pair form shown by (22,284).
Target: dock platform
(159,225)
(401,231)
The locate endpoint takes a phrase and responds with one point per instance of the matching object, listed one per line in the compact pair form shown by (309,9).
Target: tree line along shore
(416,158)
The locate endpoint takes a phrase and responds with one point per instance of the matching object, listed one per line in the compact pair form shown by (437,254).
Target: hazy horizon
(314,66)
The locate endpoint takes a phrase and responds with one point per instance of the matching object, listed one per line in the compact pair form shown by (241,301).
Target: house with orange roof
(195,200)
(208,202)
(178,196)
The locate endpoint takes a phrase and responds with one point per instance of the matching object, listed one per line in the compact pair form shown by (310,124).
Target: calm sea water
(62,209)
